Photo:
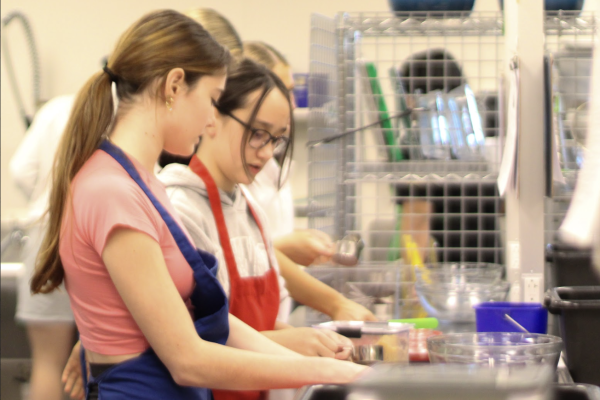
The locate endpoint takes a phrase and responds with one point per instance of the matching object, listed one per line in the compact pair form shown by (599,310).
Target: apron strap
(186,248)
(215,204)
(210,297)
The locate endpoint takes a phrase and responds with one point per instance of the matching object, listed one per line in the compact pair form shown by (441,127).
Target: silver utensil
(367,354)
(515,323)
(348,249)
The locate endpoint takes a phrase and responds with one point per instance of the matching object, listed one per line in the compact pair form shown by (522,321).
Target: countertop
(297,318)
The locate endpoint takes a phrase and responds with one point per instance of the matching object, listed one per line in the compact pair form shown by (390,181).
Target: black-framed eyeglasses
(259,138)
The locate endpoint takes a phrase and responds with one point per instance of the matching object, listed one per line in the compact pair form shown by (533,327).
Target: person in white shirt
(47,317)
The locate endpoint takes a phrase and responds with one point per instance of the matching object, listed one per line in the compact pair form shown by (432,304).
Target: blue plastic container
(301,90)
(491,317)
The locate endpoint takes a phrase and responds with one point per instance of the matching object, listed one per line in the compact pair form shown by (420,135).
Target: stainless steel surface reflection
(367,354)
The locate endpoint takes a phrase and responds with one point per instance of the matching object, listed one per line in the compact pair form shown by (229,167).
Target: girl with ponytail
(153,319)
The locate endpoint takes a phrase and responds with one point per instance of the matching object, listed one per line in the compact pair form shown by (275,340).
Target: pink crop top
(105,197)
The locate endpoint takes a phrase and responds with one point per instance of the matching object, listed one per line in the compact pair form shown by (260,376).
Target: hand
(313,342)
(346,372)
(348,310)
(71,376)
(306,246)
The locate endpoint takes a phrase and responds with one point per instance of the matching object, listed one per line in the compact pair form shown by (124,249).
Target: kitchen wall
(73,35)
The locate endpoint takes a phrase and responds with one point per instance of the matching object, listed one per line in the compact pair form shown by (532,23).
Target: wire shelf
(381,182)
(431,173)
(423,23)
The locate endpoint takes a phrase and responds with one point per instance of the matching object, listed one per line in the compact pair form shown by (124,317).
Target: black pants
(96,370)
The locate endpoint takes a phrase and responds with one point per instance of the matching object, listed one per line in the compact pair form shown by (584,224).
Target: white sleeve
(31,164)
(24,164)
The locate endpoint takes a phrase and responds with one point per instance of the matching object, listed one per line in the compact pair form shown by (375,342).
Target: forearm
(279,366)
(244,337)
(282,325)
(306,289)
(221,363)
(285,244)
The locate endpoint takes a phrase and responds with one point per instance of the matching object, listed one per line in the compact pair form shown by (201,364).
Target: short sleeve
(101,205)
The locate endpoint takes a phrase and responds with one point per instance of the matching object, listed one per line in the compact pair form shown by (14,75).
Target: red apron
(254,299)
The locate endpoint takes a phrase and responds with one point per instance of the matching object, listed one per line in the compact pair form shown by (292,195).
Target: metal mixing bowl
(454,302)
(367,354)
(495,348)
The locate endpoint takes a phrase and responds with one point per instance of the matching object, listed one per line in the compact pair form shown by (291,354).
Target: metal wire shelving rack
(570,40)
(375,181)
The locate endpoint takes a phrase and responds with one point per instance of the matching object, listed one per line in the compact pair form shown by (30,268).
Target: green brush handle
(430,323)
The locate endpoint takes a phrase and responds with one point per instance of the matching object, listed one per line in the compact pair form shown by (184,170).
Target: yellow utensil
(412,253)
(414,257)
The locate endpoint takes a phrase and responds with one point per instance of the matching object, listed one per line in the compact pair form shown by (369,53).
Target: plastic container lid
(355,329)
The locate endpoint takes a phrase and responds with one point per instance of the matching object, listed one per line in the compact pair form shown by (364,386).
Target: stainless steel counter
(297,318)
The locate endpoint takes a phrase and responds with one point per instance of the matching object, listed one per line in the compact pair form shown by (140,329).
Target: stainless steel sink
(15,362)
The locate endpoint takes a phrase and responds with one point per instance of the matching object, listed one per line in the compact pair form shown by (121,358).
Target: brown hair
(219,27)
(145,53)
(264,54)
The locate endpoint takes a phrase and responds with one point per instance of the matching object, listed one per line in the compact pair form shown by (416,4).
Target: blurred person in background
(220,28)
(48,318)
(303,246)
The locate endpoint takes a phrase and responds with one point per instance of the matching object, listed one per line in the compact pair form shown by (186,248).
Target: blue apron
(146,377)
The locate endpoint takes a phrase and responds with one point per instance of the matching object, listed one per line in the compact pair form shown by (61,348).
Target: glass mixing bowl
(460,273)
(495,348)
(454,302)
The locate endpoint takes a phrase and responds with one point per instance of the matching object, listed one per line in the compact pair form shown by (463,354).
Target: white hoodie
(188,195)
(277,203)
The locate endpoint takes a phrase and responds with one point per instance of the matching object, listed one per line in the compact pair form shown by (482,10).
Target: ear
(175,83)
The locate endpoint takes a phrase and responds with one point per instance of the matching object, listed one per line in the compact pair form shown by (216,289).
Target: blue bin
(491,317)
(301,90)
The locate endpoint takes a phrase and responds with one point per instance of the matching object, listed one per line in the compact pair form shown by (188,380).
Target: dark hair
(246,78)
(145,53)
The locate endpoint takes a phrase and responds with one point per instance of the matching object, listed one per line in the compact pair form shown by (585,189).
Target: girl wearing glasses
(273,193)
(253,121)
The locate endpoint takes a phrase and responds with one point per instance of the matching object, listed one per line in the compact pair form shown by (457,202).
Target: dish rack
(416,173)
(431,172)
